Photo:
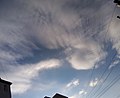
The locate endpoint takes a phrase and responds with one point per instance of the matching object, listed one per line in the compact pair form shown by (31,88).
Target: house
(57,96)
(5,91)
(46,97)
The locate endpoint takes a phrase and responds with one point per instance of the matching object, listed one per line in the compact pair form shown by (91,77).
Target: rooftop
(4,81)
(59,96)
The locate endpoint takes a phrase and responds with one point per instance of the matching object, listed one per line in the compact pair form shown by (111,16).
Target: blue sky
(70,47)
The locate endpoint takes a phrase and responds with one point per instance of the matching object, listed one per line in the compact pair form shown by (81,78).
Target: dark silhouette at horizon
(118,4)
(5,91)
(46,97)
(57,96)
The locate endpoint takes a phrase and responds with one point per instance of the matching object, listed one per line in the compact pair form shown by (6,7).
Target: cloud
(85,58)
(22,75)
(73,83)
(55,25)
(63,24)
(93,83)
(14,44)
(82,92)
(114,63)
(70,33)
(74,96)
(63,34)
(114,34)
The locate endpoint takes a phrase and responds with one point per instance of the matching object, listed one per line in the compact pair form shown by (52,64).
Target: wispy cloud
(53,29)
(82,92)
(48,24)
(93,83)
(114,64)
(22,75)
(74,96)
(63,34)
(73,83)
(114,34)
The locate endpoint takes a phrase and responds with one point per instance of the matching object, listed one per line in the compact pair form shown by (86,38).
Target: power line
(91,75)
(113,82)
(99,87)
(115,54)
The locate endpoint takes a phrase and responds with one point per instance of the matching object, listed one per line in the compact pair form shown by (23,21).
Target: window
(5,88)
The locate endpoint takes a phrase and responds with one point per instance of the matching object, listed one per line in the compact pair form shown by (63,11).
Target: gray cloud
(77,27)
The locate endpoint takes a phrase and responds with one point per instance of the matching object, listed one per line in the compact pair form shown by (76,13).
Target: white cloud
(86,51)
(114,63)
(19,87)
(73,83)
(74,96)
(54,28)
(22,75)
(61,33)
(93,83)
(85,55)
(114,34)
(82,92)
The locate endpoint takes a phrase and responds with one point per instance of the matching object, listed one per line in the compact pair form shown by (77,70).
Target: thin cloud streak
(22,76)
(73,83)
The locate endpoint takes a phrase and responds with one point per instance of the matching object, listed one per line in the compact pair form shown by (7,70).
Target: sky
(71,47)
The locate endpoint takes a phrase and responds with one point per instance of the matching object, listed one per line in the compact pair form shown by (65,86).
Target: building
(57,96)
(46,97)
(5,91)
